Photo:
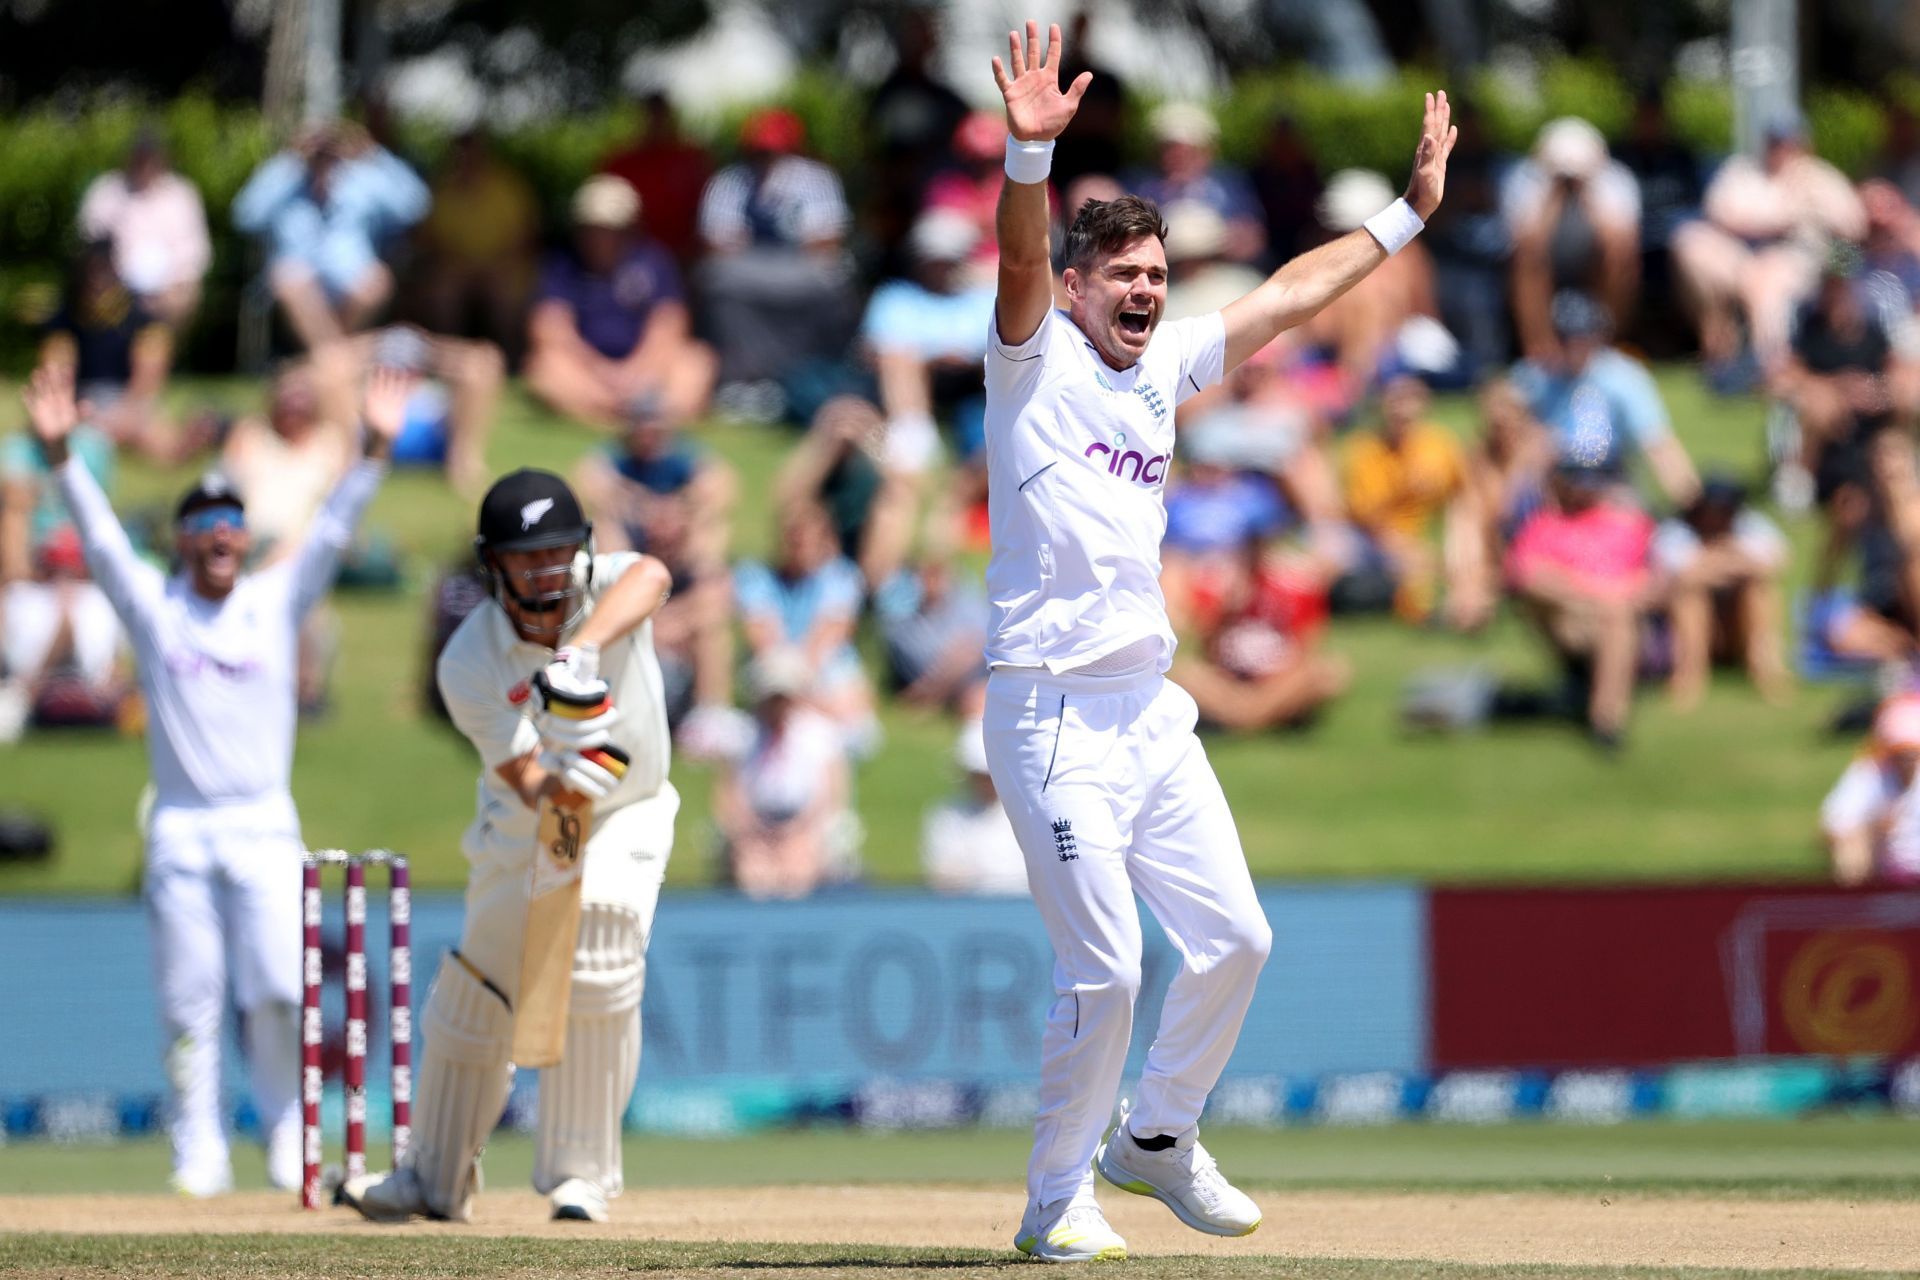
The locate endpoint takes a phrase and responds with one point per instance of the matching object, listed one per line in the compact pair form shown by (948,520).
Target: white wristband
(1394,226)
(1029,162)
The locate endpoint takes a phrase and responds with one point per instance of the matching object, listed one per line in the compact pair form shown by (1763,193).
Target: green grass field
(1730,791)
(1846,1157)
(302,1257)
(1836,1166)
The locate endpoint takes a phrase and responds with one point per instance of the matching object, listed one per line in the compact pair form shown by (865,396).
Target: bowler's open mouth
(1135,322)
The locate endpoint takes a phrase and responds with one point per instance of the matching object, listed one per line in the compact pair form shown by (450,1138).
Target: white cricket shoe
(578,1200)
(1183,1177)
(1069,1230)
(198,1184)
(390,1197)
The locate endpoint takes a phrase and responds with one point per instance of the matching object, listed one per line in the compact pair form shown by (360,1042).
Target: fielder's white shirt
(485,675)
(1077,457)
(219,677)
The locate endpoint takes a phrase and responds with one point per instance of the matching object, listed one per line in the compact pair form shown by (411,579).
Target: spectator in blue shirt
(928,335)
(324,207)
(935,631)
(777,283)
(610,321)
(656,487)
(1595,392)
(657,491)
(1215,508)
(1186,133)
(809,600)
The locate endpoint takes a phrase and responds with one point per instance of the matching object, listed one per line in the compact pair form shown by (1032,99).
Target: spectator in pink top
(973,188)
(1580,568)
(158,228)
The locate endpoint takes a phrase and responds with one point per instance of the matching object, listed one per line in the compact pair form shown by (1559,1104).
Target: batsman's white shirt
(485,673)
(1077,457)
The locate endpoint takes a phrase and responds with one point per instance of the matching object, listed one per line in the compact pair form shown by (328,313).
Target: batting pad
(460,1086)
(583,1098)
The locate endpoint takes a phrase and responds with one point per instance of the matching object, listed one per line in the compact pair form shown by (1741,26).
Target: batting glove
(576,710)
(593,772)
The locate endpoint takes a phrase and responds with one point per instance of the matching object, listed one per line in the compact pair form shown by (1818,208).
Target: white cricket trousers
(1111,794)
(222,890)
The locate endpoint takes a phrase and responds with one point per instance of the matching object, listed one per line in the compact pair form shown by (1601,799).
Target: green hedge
(47,157)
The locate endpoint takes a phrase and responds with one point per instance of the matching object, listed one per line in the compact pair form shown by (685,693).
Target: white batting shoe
(578,1200)
(1183,1177)
(1070,1230)
(386,1197)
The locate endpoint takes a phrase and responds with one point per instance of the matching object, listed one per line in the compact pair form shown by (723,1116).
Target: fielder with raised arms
(218,652)
(1091,748)
(568,736)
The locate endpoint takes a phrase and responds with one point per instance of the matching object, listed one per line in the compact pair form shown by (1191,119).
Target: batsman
(555,682)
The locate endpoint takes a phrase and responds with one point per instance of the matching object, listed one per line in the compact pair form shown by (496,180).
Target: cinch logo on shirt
(191,663)
(1145,470)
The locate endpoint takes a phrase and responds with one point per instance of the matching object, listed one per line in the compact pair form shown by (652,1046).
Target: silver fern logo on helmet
(531,513)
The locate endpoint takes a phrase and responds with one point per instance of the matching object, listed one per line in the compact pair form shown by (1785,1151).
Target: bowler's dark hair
(1108,226)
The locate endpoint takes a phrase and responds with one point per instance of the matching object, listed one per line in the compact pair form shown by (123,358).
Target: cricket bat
(553,926)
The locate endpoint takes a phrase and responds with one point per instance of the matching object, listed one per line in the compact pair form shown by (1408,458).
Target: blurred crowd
(852,309)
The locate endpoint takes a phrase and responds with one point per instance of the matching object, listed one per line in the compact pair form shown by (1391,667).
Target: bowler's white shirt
(1077,457)
(219,676)
(485,674)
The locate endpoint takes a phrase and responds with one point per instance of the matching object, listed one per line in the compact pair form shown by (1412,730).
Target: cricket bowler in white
(1091,748)
(218,652)
(563,627)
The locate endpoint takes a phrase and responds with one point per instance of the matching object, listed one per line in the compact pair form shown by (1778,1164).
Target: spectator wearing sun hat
(1388,323)
(1187,170)
(926,335)
(966,842)
(777,283)
(1573,213)
(610,319)
(1200,279)
(780,800)
(1870,821)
